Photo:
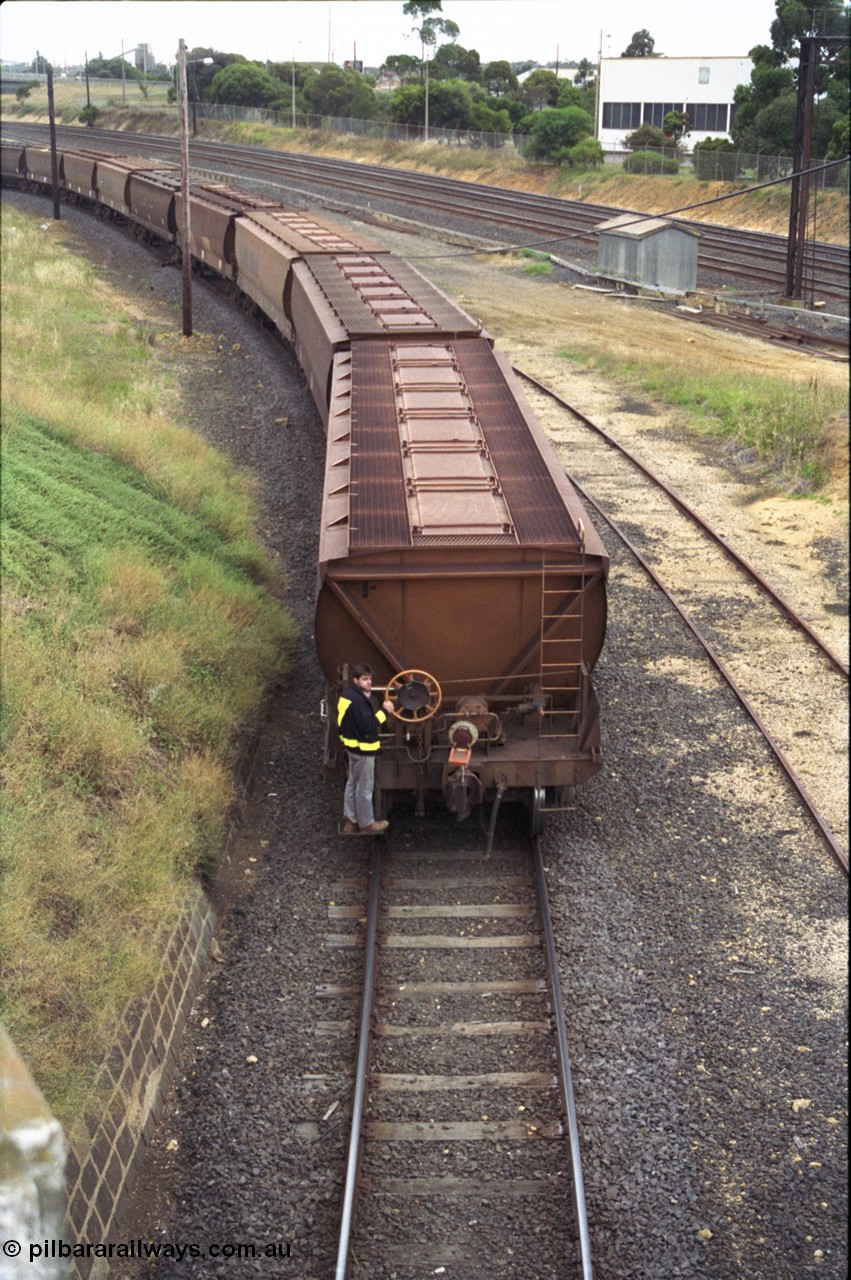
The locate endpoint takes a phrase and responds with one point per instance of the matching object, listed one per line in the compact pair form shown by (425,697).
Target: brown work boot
(349,828)
(376,829)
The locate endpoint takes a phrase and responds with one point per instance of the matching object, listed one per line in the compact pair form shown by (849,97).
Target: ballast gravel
(701,924)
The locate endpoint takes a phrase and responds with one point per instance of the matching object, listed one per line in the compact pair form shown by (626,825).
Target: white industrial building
(635,91)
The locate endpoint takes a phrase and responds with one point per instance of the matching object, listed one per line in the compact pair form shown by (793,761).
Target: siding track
(514,217)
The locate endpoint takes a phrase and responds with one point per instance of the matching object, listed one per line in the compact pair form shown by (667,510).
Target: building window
(703,75)
(709,117)
(655,112)
(621,115)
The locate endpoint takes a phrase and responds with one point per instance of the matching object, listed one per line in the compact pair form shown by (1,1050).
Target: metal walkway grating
(537,508)
(378,510)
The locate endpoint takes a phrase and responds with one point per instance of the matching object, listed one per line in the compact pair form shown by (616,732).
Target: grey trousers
(357,803)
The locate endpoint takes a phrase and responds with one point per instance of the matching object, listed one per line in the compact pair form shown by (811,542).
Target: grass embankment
(139,636)
(798,429)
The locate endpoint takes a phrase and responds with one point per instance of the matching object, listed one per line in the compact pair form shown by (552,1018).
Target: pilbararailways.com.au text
(144,1249)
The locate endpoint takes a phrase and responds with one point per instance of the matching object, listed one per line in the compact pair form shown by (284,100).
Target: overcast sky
(313,30)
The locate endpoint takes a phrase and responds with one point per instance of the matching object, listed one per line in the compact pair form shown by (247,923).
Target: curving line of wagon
(451,541)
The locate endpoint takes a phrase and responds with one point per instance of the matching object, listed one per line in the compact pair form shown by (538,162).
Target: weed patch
(139,640)
(789,424)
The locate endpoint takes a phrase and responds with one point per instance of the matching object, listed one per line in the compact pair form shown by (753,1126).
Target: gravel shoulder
(703,926)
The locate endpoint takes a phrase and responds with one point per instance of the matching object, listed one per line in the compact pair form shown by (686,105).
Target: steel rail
(786,608)
(561,219)
(564,1073)
(362,1068)
(836,849)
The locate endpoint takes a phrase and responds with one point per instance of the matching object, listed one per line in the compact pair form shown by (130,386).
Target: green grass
(540,264)
(140,635)
(792,424)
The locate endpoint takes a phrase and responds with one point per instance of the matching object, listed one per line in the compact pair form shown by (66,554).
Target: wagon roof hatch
(440,452)
(378,293)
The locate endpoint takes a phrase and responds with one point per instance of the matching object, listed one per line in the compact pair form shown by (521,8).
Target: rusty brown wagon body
(453,547)
(271,246)
(38,166)
(80,173)
(215,209)
(12,163)
(152,196)
(114,182)
(344,298)
(455,557)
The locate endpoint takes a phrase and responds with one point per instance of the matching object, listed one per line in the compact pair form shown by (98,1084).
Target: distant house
(563,73)
(387,82)
(635,91)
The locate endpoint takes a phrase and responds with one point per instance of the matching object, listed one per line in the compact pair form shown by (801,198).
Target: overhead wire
(639,217)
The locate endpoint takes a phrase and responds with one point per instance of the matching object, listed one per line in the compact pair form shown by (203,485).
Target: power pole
(186,251)
(54,159)
(811,51)
(800,194)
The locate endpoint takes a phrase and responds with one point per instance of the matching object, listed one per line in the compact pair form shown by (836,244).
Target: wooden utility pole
(800,194)
(54,158)
(185,249)
(813,48)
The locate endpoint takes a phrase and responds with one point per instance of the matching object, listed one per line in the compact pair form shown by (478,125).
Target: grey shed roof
(629,224)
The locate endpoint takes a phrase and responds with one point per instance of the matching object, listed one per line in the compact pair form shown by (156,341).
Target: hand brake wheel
(417,696)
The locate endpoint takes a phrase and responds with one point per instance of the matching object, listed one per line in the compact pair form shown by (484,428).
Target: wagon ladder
(562,626)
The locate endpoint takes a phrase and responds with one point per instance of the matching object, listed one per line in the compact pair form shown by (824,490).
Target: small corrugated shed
(651,252)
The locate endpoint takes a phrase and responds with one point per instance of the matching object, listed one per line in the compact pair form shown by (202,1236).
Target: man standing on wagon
(359,727)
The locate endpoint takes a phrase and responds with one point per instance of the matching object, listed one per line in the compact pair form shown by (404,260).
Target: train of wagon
(454,555)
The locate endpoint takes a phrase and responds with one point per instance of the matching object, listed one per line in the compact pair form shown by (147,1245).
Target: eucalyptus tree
(427,27)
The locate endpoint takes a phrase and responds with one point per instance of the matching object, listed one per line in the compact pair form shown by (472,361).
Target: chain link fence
(742,166)
(706,165)
(389,129)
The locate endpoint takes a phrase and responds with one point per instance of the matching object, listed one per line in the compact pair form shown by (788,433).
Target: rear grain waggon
(456,559)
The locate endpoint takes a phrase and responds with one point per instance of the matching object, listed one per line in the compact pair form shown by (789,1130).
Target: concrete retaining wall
(32,1155)
(47,1196)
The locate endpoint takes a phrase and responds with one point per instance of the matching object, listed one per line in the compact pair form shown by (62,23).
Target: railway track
(766,650)
(463,1117)
(644,1020)
(516,216)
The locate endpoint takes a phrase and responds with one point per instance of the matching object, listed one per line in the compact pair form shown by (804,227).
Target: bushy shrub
(555,132)
(646,135)
(587,154)
(89,114)
(650,162)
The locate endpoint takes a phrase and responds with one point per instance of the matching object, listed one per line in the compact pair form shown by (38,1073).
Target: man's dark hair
(362,669)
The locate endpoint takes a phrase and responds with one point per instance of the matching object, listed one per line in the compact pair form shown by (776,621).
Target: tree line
(458,91)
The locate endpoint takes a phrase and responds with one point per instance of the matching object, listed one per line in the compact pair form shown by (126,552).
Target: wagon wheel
(538,809)
(417,696)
